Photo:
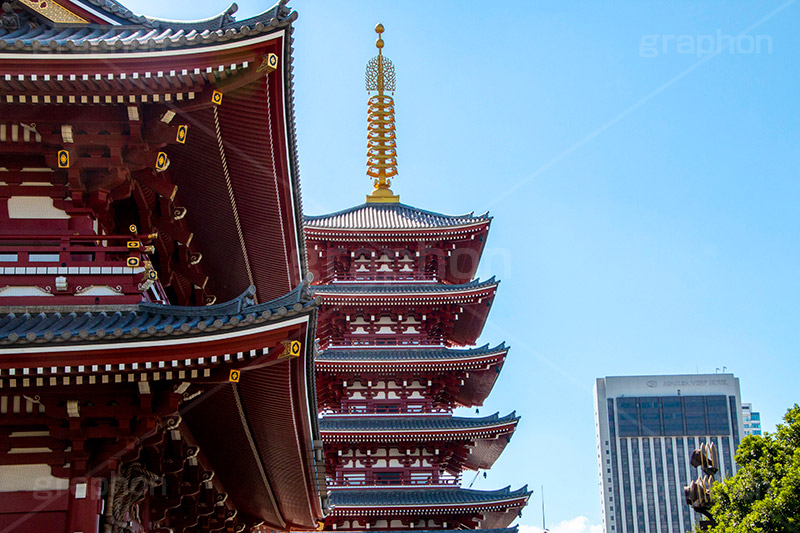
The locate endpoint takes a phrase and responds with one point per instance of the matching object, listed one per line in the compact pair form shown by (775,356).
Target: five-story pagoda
(398,296)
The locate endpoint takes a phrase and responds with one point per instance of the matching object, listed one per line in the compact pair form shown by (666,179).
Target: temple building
(399,303)
(157,323)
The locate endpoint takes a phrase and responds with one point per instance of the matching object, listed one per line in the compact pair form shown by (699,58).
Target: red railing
(384,276)
(65,250)
(362,477)
(410,408)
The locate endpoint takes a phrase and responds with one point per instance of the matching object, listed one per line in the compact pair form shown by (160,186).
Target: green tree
(764,495)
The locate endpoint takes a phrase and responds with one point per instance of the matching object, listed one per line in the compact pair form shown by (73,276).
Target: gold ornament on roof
(381,141)
(53,11)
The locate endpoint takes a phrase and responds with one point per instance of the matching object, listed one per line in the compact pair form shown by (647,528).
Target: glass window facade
(694,415)
(726,450)
(615,484)
(672,484)
(649,487)
(734,420)
(626,485)
(649,438)
(637,483)
(628,417)
(673,416)
(681,458)
(650,416)
(717,415)
(662,487)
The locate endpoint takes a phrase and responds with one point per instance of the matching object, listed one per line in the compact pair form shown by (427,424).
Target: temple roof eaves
(405,288)
(376,497)
(141,33)
(416,423)
(416,354)
(372,216)
(34,325)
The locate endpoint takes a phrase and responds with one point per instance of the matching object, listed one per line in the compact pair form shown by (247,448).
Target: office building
(751,420)
(647,428)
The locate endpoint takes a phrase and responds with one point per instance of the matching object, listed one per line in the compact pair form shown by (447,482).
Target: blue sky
(644,190)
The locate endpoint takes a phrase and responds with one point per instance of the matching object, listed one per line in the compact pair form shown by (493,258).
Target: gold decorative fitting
(54,11)
(149,276)
(269,63)
(162,162)
(63,159)
(132,262)
(381,141)
(216,97)
(290,349)
(181,136)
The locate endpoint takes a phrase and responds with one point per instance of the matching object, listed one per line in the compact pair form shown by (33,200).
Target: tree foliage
(764,495)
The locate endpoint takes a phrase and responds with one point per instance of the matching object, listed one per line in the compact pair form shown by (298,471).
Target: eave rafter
(187,86)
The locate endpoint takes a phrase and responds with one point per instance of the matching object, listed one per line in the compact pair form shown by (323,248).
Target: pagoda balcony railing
(79,254)
(371,277)
(387,340)
(361,477)
(408,409)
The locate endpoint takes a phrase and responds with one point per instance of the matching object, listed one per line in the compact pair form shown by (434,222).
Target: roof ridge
(115,9)
(230,10)
(128,32)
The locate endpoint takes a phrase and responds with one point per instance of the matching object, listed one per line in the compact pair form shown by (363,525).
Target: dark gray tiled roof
(405,423)
(42,324)
(408,497)
(389,216)
(400,288)
(137,32)
(402,354)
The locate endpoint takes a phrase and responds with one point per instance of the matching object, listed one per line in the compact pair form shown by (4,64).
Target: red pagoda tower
(398,296)
(156,321)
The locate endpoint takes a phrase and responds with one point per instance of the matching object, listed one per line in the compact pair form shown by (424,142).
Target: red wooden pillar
(85,504)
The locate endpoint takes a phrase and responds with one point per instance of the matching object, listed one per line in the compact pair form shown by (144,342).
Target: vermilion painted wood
(83,513)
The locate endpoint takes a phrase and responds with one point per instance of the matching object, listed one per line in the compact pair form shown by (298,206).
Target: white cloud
(579,524)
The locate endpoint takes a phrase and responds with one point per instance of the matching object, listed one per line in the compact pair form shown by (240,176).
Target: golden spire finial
(381,143)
